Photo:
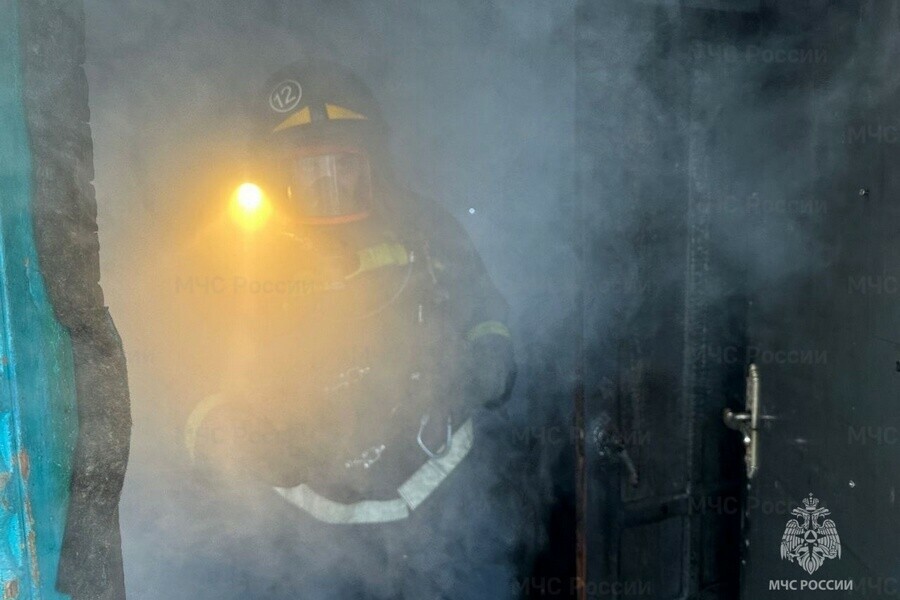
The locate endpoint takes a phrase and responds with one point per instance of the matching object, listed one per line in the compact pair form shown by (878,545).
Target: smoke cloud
(480,98)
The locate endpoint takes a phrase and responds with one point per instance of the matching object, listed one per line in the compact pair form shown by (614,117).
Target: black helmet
(317,96)
(328,137)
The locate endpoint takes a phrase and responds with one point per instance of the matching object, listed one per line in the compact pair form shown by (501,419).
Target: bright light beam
(249,207)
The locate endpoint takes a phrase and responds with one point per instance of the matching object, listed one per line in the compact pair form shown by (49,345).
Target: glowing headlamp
(249,206)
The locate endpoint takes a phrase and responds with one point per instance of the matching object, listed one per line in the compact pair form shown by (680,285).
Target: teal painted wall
(38,419)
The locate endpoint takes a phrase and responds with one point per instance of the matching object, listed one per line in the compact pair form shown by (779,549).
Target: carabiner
(443,450)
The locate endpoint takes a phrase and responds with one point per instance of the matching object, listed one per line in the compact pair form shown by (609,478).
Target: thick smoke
(480,100)
(689,125)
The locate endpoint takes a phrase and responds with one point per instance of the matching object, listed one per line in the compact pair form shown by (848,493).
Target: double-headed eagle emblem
(812,539)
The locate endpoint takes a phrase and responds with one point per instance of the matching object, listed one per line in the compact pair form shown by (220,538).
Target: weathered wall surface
(64,216)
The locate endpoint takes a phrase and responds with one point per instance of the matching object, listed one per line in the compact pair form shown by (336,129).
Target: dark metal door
(663,312)
(739,185)
(825,325)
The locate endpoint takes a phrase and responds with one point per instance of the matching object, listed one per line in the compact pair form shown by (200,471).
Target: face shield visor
(330,185)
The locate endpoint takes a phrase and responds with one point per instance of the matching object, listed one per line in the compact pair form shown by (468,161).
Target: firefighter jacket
(359,368)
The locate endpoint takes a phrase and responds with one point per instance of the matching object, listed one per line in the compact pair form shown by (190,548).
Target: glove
(473,375)
(490,372)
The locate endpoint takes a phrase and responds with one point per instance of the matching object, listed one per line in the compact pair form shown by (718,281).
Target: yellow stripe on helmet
(301,117)
(339,112)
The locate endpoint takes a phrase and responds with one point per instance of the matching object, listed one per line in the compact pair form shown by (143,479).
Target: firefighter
(375,339)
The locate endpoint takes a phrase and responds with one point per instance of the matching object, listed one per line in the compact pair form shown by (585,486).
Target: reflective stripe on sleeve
(487,328)
(382,255)
(195,420)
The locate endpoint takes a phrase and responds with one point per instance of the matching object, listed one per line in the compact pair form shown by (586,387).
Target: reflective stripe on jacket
(411,493)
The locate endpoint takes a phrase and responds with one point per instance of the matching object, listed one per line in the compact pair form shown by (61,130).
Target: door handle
(747,422)
(611,448)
